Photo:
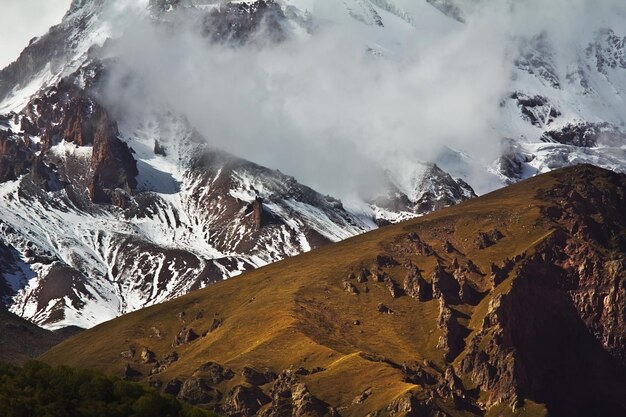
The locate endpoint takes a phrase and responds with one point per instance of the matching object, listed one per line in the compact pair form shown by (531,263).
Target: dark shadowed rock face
(245,401)
(15,158)
(536,110)
(586,135)
(518,353)
(67,113)
(198,391)
(239,22)
(290,397)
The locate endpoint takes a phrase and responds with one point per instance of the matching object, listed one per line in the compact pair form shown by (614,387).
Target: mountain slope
(21,340)
(508,304)
(106,209)
(105,213)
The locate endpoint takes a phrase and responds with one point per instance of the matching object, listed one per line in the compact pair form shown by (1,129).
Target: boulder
(381,308)
(245,401)
(197,391)
(185,336)
(147,356)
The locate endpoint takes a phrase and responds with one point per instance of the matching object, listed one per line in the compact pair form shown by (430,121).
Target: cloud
(21,20)
(324,108)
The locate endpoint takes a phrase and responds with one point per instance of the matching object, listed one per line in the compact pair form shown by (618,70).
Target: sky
(22,20)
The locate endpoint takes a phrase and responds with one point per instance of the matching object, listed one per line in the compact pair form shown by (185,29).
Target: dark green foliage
(39,390)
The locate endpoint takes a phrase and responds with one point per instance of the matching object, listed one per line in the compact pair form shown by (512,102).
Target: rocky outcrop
(444,285)
(245,401)
(15,158)
(184,337)
(254,377)
(586,135)
(537,110)
(411,405)
(67,113)
(292,398)
(415,286)
(198,391)
(381,308)
(566,302)
(214,372)
(163,363)
(147,356)
(393,287)
(350,288)
(384,261)
(413,244)
(487,239)
(452,334)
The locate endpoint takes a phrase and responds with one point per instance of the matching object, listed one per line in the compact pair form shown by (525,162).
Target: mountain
(510,304)
(21,340)
(100,217)
(105,209)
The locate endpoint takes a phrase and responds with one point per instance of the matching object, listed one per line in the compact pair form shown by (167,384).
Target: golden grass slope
(296,313)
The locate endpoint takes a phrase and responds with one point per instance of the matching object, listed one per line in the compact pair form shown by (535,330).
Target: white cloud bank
(323,109)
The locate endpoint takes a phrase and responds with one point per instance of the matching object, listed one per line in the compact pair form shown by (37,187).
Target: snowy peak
(103,211)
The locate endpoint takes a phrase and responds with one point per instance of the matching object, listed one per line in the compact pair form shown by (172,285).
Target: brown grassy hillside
(509,304)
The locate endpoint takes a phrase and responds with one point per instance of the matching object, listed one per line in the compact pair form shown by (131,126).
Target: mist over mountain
(150,148)
(340,96)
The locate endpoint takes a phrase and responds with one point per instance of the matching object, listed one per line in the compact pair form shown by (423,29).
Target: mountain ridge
(103,212)
(427,316)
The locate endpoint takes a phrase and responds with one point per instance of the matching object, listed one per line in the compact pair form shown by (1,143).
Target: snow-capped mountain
(102,213)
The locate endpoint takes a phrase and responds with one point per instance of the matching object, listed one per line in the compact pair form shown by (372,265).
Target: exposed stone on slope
(451,339)
(586,135)
(254,377)
(487,239)
(214,372)
(412,243)
(381,308)
(184,337)
(67,113)
(350,288)
(147,356)
(197,391)
(15,158)
(537,110)
(444,286)
(292,398)
(245,401)
(393,287)
(416,286)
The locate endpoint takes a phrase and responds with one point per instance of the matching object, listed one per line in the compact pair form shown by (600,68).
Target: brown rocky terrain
(512,304)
